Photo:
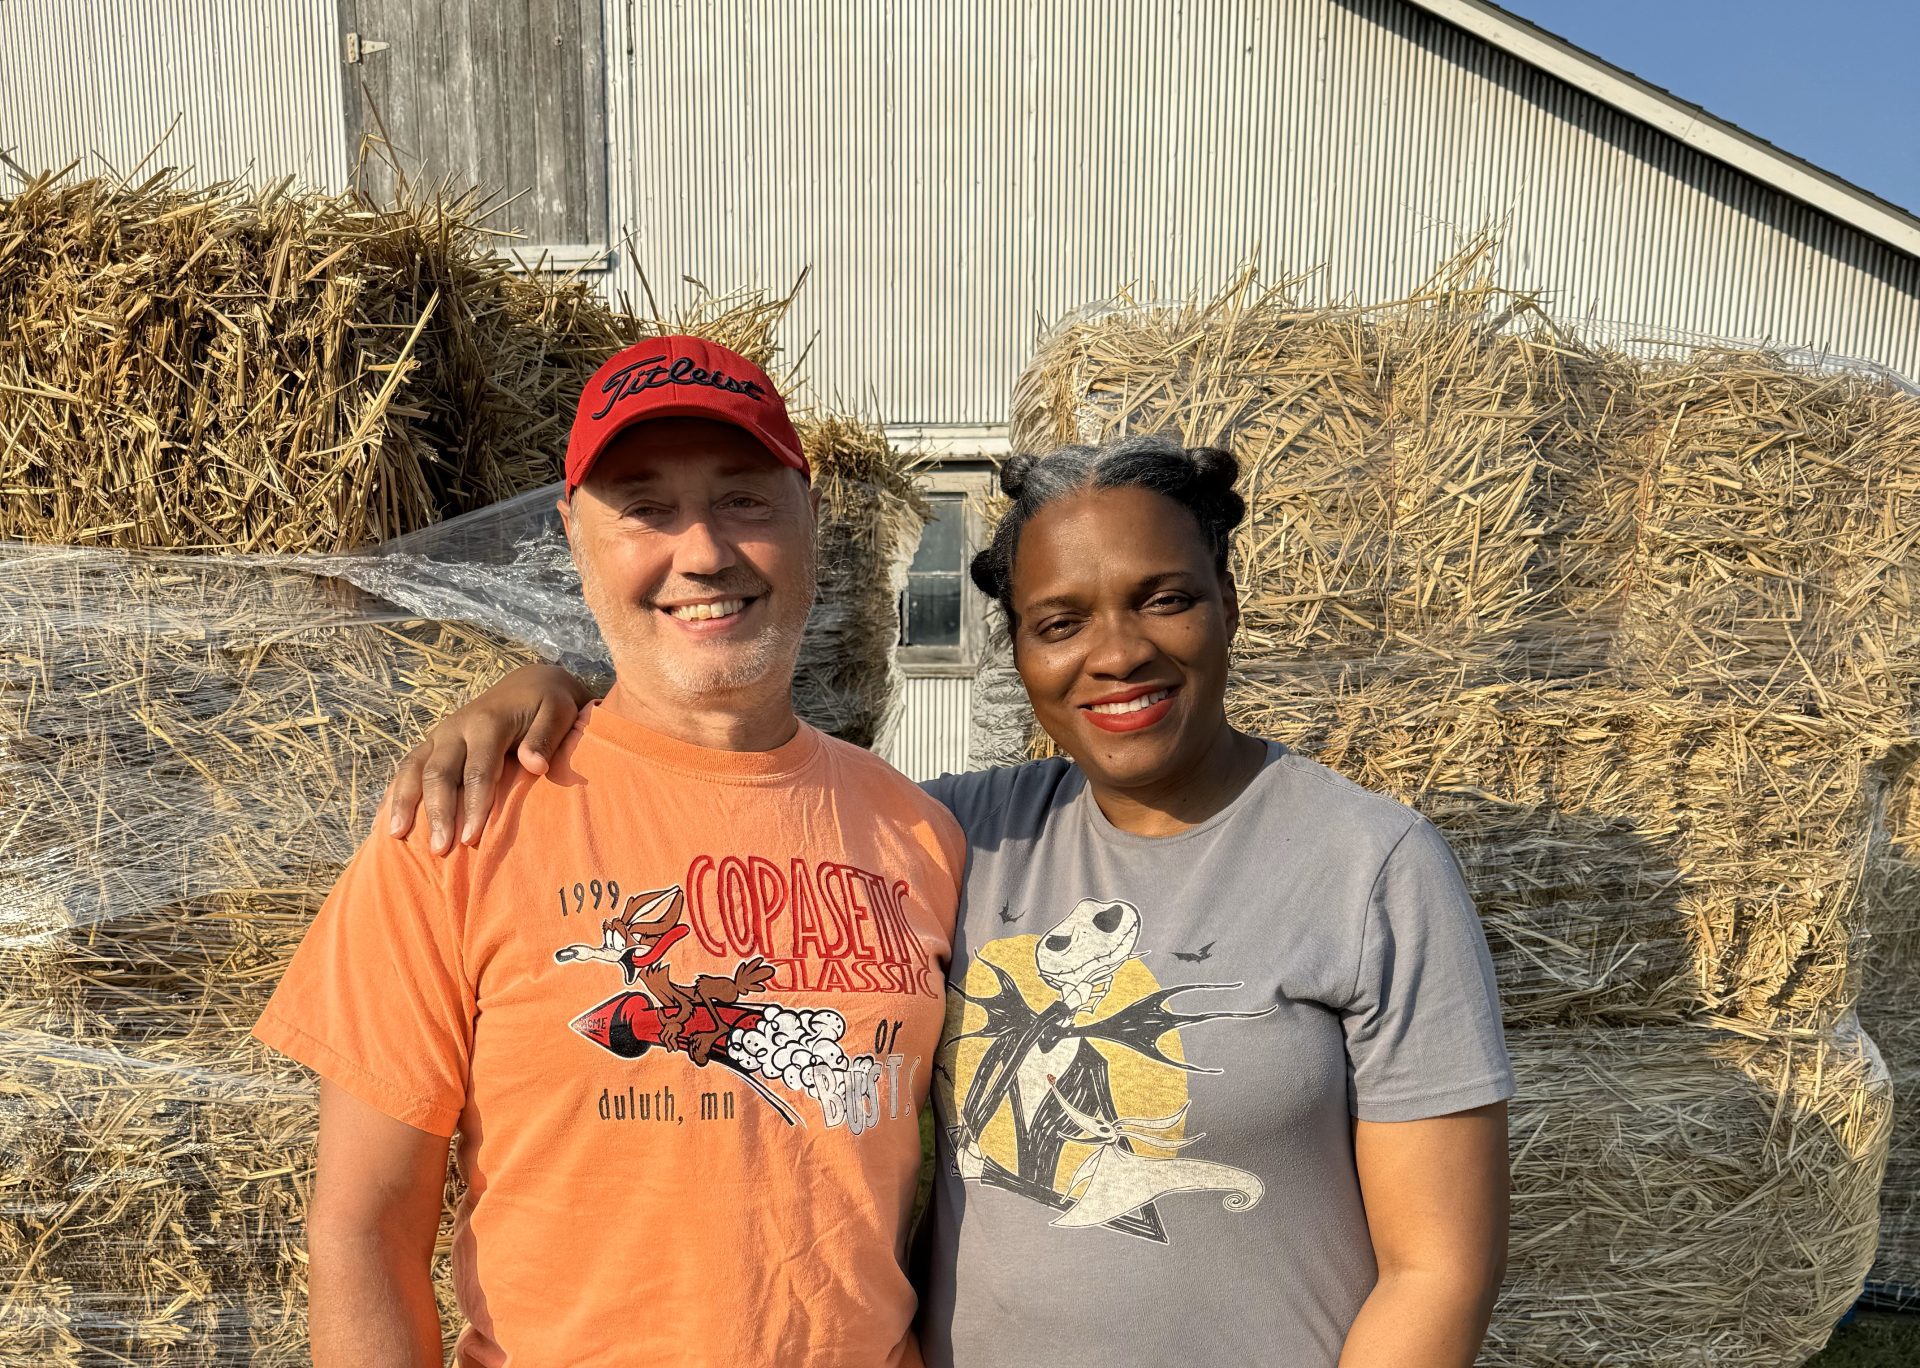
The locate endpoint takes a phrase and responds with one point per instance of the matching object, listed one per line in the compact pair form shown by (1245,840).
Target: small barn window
(931,611)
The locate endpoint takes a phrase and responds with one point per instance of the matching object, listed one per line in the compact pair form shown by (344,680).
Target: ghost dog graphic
(1050,1071)
(709,1022)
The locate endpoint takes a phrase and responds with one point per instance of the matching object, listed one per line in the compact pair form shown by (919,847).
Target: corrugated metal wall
(958,175)
(929,735)
(256,86)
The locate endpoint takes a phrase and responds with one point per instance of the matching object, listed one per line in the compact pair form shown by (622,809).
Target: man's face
(695,549)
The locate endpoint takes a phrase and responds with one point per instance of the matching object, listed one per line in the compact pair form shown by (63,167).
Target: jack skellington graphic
(1052,1068)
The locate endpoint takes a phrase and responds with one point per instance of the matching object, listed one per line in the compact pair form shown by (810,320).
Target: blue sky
(1836,82)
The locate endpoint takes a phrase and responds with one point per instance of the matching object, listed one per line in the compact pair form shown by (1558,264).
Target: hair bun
(1014,471)
(1214,465)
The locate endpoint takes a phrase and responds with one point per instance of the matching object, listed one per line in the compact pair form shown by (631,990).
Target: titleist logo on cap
(647,374)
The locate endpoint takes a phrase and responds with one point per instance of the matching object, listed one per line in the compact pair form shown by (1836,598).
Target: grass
(1873,1339)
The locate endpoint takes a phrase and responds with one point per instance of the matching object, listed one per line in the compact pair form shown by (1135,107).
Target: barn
(954,178)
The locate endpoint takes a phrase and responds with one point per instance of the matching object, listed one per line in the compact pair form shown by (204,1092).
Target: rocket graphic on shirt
(715,1019)
(1062,1077)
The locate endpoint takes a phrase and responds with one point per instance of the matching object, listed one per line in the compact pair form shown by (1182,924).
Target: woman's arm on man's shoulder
(455,771)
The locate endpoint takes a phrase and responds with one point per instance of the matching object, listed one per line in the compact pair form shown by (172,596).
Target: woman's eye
(1171,603)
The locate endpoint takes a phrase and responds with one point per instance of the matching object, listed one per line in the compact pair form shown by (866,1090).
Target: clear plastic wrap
(190,750)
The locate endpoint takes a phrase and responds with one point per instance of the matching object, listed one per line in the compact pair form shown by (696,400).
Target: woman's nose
(1118,649)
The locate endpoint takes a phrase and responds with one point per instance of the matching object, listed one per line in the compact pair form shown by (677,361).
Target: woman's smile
(1132,710)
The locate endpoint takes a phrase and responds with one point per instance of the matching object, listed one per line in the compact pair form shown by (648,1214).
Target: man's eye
(1057,627)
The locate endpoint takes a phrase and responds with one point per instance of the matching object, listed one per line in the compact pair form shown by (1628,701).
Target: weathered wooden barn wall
(498,93)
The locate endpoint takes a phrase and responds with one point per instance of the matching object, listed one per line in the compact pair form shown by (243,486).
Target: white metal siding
(957,176)
(929,737)
(256,87)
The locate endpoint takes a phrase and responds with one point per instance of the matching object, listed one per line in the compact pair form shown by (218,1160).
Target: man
(681,1011)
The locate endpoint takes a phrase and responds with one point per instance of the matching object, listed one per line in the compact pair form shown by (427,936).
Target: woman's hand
(458,766)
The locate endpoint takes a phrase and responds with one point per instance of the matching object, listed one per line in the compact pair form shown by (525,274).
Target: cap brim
(792,458)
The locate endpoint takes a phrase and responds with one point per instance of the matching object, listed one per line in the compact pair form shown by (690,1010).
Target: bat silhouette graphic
(1195,956)
(1008,916)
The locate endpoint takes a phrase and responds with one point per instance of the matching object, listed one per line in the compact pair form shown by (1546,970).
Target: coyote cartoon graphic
(718,1019)
(638,942)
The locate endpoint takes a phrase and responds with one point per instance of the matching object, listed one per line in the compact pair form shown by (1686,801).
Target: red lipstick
(1131,721)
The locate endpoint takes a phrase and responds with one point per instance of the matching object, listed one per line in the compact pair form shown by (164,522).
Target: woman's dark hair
(1199,479)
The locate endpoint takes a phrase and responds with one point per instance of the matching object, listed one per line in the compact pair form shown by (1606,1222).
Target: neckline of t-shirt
(1104,828)
(603,721)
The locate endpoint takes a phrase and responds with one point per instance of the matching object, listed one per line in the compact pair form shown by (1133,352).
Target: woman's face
(1121,635)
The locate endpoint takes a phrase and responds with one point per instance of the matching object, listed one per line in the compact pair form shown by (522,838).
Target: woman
(1223,1080)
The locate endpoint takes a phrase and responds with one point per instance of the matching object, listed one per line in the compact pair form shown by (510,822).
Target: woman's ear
(1230,600)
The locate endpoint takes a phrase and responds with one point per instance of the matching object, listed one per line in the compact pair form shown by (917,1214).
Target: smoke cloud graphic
(800,1049)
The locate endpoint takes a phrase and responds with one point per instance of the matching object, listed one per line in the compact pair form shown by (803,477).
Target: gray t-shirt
(1153,1049)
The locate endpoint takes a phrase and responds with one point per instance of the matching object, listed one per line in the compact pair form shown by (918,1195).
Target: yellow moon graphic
(1141,1086)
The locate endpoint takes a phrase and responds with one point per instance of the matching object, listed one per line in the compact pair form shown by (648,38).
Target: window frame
(961,661)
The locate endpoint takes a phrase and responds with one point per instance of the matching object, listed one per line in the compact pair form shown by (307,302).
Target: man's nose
(700,549)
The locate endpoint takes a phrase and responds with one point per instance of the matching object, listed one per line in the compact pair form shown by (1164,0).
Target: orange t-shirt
(681,1007)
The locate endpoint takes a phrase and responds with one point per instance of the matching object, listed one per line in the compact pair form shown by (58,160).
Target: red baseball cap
(678,377)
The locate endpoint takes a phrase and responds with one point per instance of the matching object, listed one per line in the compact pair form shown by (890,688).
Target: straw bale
(1638,631)
(1393,465)
(870,519)
(1890,1007)
(224,369)
(1631,860)
(1687,1197)
(176,727)
(190,749)
(153,1209)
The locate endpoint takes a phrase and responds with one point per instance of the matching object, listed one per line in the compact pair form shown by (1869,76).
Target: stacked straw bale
(192,746)
(190,749)
(1637,632)
(1492,561)
(1687,1197)
(1890,1009)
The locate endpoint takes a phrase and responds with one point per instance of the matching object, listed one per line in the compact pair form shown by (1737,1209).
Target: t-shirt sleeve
(1423,1026)
(376,999)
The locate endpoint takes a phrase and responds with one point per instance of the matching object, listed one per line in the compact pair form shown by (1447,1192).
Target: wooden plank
(569,156)
(486,38)
(457,100)
(517,96)
(392,86)
(443,150)
(553,67)
(346,21)
(592,150)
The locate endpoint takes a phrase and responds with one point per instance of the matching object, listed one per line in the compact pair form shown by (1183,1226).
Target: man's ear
(813,499)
